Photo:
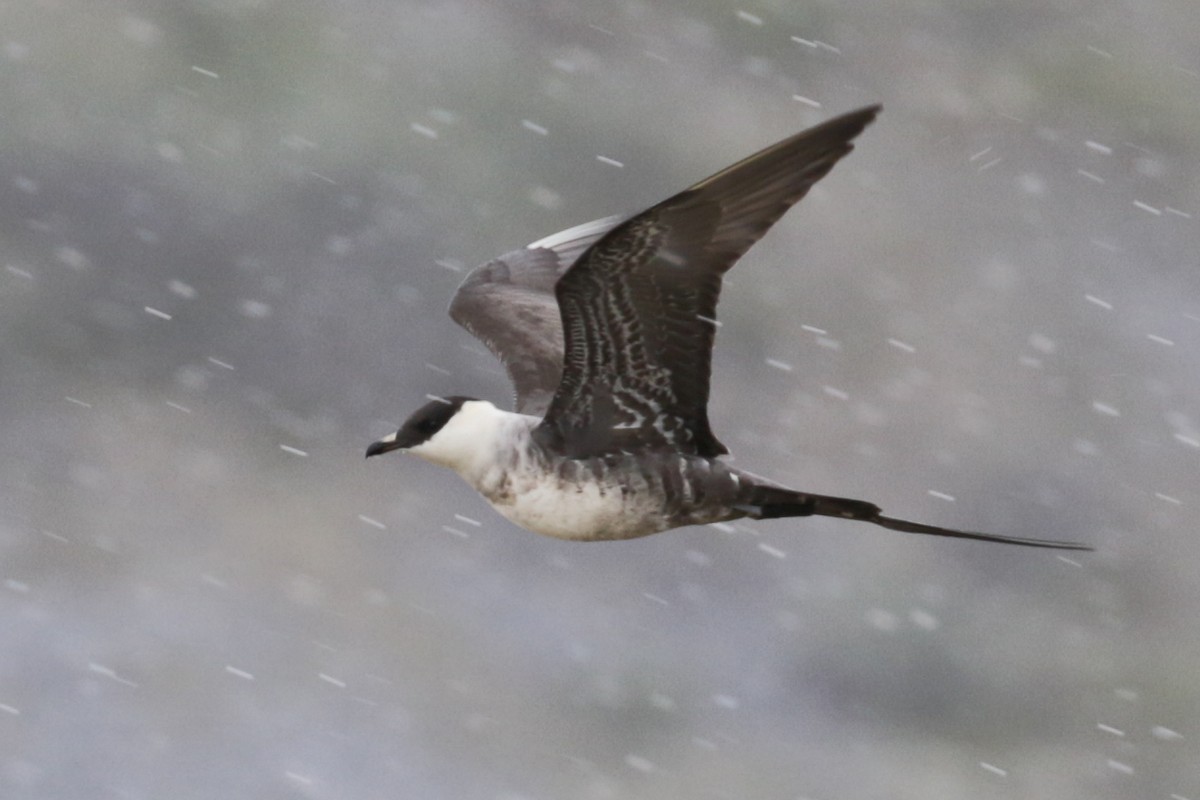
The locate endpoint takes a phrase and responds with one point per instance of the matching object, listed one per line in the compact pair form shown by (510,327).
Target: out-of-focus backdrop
(228,234)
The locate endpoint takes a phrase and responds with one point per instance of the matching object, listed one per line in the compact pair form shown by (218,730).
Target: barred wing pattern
(639,307)
(509,305)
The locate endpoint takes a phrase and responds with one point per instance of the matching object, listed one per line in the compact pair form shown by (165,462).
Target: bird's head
(443,431)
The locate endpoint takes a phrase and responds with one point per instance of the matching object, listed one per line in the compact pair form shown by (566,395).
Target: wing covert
(639,306)
(509,305)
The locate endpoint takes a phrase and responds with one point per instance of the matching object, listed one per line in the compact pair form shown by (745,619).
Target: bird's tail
(772,502)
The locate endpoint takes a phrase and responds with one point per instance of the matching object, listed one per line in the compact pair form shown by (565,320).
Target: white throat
(475,439)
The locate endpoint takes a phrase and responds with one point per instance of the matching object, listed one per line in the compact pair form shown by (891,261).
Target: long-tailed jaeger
(606,331)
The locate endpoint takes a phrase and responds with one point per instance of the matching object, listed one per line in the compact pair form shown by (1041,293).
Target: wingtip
(867,114)
(861,117)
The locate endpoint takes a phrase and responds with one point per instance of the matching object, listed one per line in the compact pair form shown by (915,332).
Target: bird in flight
(606,332)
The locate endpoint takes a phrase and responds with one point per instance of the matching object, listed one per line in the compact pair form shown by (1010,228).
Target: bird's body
(606,331)
(614,497)
(611,496)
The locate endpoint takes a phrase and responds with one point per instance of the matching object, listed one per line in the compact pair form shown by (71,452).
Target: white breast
(583,509)
(492,450)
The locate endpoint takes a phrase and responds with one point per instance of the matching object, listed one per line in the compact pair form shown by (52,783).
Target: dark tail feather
(769,502)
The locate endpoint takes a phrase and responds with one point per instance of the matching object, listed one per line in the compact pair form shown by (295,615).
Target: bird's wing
(508,304)
(638,307)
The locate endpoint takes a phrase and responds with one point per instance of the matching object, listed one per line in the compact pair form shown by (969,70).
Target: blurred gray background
(229,231)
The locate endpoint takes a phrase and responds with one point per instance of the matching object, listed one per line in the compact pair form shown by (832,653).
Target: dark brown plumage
(639,307)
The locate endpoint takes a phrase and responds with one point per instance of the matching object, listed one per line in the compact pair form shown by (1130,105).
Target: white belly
(587,510)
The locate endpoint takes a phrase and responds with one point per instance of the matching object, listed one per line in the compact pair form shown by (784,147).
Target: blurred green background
(228,234)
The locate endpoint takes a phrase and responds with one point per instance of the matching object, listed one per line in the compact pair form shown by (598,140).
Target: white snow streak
(110,673)
(771,550)
(331,680)
(154,312)
(1165,734)
(423,130)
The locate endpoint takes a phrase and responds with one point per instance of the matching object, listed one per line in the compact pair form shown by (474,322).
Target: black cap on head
(421,425)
